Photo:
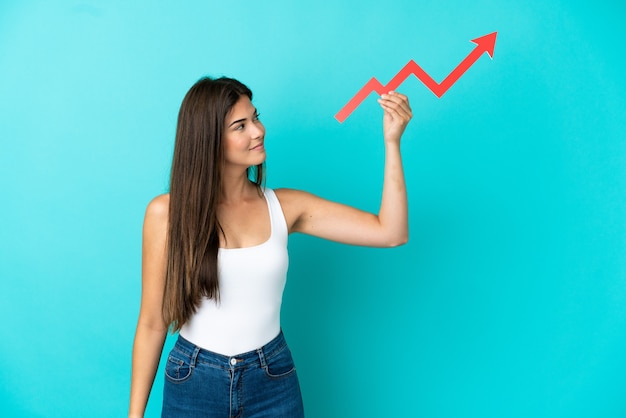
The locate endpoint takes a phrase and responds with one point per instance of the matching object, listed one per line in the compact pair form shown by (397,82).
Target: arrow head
(486,43)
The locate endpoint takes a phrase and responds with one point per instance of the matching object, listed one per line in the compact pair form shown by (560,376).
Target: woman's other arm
(312,215)
(151,330)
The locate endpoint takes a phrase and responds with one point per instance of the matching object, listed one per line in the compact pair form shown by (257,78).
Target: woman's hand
(397,114)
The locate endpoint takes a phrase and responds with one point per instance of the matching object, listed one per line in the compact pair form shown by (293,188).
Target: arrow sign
(484,44)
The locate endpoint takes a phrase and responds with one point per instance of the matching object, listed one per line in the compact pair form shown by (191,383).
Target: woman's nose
(259,130)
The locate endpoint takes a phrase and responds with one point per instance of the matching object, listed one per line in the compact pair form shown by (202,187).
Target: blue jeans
(260,383)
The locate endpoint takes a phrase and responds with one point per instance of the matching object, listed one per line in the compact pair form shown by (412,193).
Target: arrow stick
(484,44)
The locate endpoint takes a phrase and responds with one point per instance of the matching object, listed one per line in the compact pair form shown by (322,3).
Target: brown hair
(195,190)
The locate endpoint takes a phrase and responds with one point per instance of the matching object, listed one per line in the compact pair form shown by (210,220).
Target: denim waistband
(198,354)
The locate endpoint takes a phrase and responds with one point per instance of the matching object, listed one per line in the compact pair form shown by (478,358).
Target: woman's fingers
(397,114)
(397,104)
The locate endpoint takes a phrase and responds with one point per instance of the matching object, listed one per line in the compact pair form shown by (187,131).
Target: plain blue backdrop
(509,299)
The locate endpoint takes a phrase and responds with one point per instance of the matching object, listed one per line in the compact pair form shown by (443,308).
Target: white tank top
(251,280)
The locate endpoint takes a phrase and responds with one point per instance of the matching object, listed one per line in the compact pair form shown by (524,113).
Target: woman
(215,259)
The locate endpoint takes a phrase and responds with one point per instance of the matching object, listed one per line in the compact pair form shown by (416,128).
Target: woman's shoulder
(289,197)
(155,222)
(285,194)
(158,208)
(294,203)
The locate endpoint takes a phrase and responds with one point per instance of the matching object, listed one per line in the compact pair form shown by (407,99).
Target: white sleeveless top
(251,280)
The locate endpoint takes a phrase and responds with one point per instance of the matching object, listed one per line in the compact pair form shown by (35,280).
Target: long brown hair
(195,190)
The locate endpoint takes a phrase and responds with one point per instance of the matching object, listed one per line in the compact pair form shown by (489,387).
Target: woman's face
(244,135)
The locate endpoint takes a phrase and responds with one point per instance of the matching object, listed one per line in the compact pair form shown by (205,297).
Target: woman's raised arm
(312,215)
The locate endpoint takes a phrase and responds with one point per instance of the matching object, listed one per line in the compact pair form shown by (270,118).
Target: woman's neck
(236,187)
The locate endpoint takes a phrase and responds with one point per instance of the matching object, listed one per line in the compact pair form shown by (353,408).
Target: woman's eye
(257,116)
(239,127)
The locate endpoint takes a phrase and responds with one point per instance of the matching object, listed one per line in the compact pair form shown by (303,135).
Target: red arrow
(485,43)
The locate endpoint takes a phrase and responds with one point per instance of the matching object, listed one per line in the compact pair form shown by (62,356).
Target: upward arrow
(484,44)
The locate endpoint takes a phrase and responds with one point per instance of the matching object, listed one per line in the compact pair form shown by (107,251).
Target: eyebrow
(237,121)
(243,119)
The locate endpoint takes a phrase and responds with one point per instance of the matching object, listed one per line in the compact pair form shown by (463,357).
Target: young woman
(215,259)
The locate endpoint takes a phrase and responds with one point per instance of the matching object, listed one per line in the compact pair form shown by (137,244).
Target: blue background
(509,299)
